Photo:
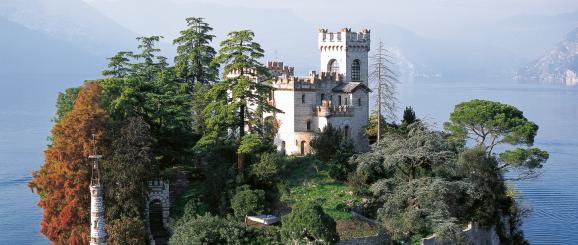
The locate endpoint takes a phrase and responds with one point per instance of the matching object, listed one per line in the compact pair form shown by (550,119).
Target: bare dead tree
(384,81)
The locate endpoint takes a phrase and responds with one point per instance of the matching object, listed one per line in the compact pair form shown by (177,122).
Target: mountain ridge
(557,66)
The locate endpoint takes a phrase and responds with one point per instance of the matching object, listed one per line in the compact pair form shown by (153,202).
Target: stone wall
(371,240)
(473,234)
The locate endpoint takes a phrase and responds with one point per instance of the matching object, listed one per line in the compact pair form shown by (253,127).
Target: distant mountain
(73,21)
(558,66)
(526,36)
(26,52)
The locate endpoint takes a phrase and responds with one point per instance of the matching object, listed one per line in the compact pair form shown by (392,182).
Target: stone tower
(97,231)
(345,52)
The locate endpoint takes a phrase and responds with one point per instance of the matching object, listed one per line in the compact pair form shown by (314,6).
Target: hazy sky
(429,17)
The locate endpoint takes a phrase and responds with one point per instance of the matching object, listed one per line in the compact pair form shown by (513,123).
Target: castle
(338,95)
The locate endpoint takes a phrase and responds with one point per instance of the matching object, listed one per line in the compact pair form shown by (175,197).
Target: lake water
(28,104)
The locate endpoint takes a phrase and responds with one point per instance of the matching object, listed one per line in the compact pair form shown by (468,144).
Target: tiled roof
(350,87)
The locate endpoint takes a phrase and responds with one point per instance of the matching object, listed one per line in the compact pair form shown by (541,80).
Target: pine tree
(63,180)
(119,65)
(193,62)
(243,91)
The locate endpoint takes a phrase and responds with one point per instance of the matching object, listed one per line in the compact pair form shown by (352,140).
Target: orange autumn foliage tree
(63,180)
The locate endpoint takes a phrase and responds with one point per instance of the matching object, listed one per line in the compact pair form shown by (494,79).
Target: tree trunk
(241,156)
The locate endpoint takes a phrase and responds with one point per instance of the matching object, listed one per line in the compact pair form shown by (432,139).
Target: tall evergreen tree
(194,60)
(244,90)
(150,63)
(119,65)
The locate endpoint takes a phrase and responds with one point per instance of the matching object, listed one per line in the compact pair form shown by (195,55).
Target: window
(308,125)
(303,99)
(359,101)
(355,70)
(346,101)
(347,132)
(339,99)
(322,98)
(333,66)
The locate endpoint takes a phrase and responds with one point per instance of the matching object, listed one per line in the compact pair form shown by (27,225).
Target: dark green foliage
(208,229)
(307,223)
(194,60)
(492,123)
(329,142)
(150,63)
(152,91)
(405,157)
(409,116)
(420,206)
(386,128)
(128,169)
(231,101)
(480,170)
(248,202)
(270,235)
(530,158)
(126,231)
(266,172)
(65,102)
(334,148)
(119,65)
(413,183)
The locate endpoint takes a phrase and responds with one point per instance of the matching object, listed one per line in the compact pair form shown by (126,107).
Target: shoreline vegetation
(193,125)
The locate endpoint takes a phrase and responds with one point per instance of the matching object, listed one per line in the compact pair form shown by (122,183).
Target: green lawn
(307,183)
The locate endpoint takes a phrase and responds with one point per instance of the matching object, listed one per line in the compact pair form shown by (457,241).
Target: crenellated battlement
(286,81)
(277,69)
(344,39)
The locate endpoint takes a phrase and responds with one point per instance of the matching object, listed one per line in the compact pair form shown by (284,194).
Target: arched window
(333,66)
(359,101)
(303,99)
(355,70)
(308,125)
(322,98)
(339,99)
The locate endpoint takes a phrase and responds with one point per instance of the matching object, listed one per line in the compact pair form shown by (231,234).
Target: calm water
(25,114)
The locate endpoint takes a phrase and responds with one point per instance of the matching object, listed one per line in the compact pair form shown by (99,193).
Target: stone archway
(157,208)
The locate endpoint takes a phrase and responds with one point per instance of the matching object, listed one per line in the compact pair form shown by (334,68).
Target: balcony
(326,110)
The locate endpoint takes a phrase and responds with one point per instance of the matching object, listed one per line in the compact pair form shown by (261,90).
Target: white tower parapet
(345,52)
(97,232)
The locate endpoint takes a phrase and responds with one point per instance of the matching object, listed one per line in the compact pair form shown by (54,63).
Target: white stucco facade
(338,95)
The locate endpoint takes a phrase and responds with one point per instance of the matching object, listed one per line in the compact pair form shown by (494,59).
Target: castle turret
(97,232)
(345,52)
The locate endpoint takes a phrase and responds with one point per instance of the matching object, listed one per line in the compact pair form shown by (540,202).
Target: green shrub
(308,223)
(208,229)
(248,202)
(267,170)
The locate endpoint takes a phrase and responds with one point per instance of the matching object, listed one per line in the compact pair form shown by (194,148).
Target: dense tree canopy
(307,223)
(239,101)
(194,60)
(208,229)
(248,202)
(65,102)
(63,180)
(491,123)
